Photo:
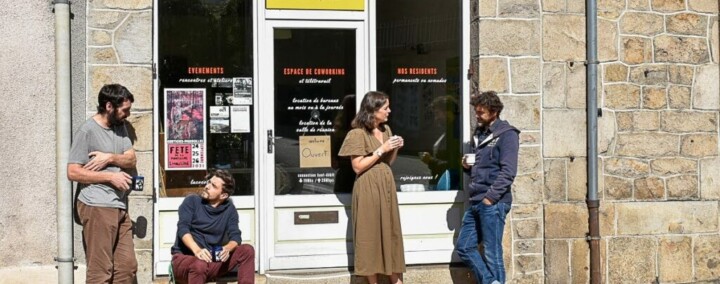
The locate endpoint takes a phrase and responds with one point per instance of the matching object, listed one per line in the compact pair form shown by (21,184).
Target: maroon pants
(192,270)
(109,248)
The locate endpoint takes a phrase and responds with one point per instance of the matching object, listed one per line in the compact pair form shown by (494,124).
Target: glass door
(312,73)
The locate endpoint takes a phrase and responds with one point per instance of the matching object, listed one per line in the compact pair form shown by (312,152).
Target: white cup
(470,159)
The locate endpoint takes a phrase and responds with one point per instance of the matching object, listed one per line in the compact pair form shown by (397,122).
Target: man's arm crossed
(100,160)
(119,180)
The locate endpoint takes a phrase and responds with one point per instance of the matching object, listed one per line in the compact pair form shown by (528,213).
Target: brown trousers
(192,270)
(109,248)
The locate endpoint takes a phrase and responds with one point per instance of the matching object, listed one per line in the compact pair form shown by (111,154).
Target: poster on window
(242,91)
(219,119)
(185,129)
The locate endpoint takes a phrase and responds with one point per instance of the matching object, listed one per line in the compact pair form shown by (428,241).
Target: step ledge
(329,273)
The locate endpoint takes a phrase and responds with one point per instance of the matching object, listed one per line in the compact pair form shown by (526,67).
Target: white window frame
(161,253)
(268,203)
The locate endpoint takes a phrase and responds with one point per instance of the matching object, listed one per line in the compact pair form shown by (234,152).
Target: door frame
(160,253)
(264,215)
(268,200)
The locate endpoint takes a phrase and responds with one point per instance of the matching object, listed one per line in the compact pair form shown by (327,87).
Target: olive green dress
(377,236)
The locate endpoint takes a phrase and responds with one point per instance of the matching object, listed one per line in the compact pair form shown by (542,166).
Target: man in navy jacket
(208,242)
(496,145)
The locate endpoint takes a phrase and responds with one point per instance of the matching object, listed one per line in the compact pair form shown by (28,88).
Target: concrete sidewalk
(422,274)
(36,274)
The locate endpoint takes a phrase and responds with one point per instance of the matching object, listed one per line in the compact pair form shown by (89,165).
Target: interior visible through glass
(315,85)
(419,67)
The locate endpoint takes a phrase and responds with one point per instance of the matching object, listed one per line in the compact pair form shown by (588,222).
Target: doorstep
(423,274)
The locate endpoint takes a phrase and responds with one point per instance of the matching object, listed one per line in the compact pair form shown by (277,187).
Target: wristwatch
(378,152)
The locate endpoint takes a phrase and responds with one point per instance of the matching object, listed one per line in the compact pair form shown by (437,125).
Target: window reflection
(344,173)
(314,104)
(443,157)
(207,45)
(418,59)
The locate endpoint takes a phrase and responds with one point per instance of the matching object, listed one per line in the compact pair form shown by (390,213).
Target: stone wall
(658,136)
(119,50)
(659,167)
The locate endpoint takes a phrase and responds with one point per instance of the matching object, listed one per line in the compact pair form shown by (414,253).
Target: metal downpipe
(63,132)
(592,153)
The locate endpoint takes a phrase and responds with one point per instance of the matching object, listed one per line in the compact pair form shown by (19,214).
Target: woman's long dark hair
(371,103)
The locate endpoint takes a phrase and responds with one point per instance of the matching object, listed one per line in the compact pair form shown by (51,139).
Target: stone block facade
(120,51)
(658,87)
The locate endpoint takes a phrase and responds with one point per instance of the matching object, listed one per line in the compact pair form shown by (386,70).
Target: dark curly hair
(226,177)
(489,100)
(116,94)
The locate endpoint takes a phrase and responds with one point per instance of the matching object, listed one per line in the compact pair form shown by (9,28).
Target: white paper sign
(240,119)
(219,112)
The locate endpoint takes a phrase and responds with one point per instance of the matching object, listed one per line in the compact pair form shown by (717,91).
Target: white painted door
(311,73)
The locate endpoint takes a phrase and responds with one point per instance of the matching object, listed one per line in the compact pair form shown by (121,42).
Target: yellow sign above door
(339,5)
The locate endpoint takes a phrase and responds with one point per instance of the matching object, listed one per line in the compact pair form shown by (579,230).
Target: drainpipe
(63,131)
(592,113)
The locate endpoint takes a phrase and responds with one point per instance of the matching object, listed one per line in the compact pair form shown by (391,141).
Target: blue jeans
(483,223)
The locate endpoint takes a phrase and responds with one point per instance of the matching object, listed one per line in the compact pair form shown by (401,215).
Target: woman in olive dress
(377,237)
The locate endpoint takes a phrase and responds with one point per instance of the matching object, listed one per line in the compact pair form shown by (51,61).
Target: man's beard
(113,119)
(482,123)
(485,123)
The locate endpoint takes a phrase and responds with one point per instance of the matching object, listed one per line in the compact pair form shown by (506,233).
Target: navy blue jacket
(208,225)
(496,163)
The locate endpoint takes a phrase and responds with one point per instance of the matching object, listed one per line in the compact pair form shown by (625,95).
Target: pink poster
(185,129)
(179,156)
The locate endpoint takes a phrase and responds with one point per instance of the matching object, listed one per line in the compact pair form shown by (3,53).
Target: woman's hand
(393,143)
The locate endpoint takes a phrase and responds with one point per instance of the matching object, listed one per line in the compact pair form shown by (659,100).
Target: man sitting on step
(208,242)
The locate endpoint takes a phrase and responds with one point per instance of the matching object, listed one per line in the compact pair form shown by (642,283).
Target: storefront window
(315,82)
(206,107)
(418,66)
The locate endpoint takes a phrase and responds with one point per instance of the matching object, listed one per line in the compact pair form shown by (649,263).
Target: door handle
(270,141)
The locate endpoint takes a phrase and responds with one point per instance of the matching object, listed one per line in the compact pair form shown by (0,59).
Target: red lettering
(293,71)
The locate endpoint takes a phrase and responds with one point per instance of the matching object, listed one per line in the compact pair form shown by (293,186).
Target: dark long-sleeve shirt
(208,225)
